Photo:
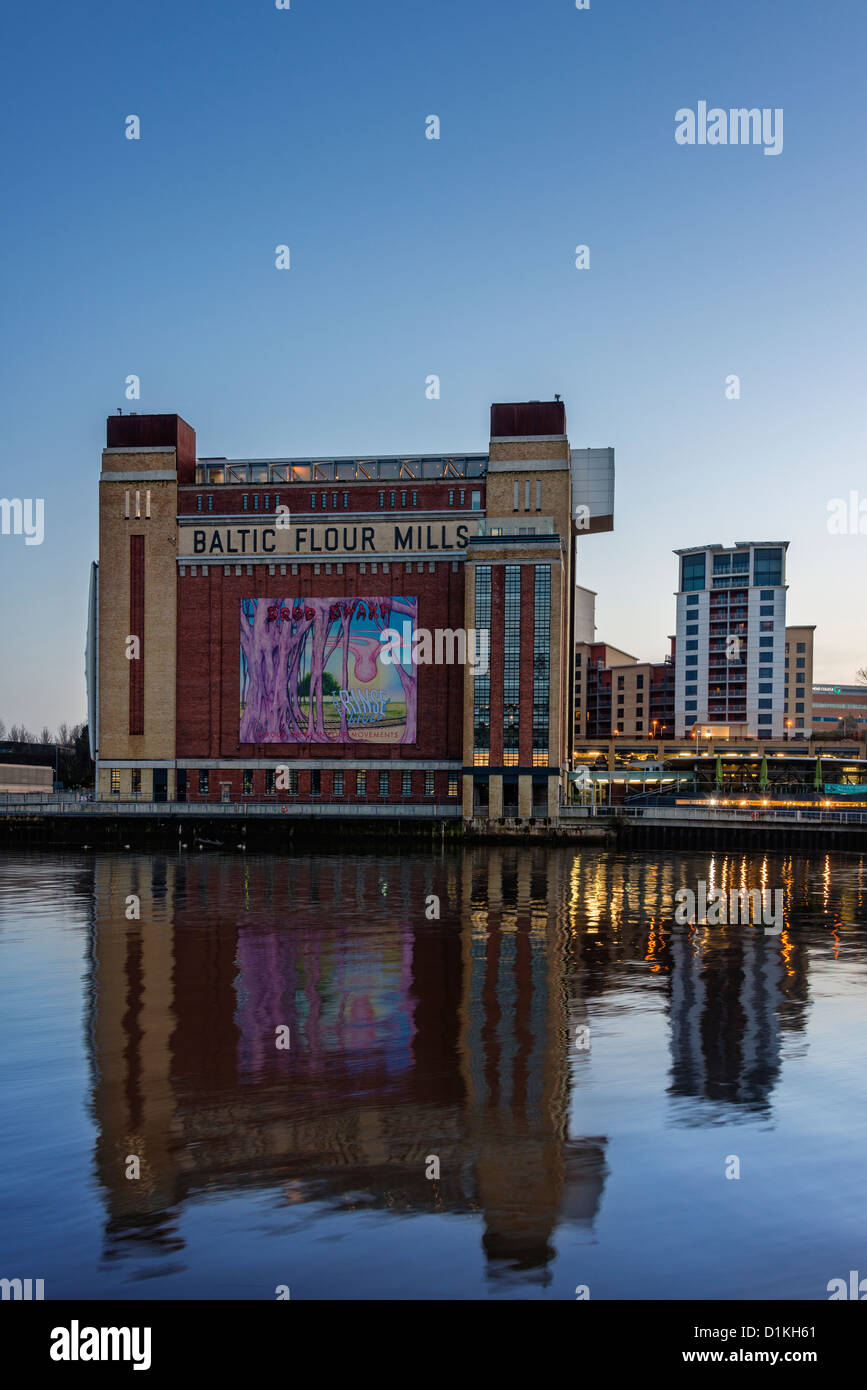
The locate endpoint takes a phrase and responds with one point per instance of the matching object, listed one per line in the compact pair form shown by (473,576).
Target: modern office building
(833,705)
(730,677)
(798,709)
(239,610)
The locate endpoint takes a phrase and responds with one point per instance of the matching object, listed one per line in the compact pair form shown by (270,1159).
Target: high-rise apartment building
(730,675)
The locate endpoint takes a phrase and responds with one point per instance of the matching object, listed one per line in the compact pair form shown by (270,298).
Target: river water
(224,1075)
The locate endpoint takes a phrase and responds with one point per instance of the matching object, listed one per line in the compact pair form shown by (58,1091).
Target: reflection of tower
(514,1056)
(726,992)
(131,1025)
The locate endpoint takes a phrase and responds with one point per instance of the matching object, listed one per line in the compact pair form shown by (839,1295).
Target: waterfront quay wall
(146,825)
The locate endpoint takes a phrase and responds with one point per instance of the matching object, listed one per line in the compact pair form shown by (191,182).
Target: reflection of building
(405,1041)
(235,635)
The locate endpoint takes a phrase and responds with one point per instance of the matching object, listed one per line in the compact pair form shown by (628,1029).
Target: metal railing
(715,814)
(371,809)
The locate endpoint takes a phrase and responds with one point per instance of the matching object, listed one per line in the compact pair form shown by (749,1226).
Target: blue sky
(456,257)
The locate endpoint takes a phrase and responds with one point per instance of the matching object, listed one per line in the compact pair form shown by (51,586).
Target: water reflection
(413,1038)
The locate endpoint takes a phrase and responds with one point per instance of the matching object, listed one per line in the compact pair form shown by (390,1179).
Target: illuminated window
(429,784)
(453,784)
(115,779)
(361,783)
(482,682)
(135,785)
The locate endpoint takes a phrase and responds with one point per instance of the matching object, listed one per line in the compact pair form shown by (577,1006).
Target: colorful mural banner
(311,671)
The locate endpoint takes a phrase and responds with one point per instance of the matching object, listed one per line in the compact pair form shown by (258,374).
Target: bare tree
(861,675)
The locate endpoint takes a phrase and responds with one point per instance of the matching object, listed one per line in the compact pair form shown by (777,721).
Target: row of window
(341,783)
(322,504)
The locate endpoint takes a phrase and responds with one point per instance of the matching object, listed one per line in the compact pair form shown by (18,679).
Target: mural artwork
(311,671)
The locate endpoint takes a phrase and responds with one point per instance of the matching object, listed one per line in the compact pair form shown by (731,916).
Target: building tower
(731,635)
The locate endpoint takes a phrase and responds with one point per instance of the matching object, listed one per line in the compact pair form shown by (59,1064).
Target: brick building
(240,609)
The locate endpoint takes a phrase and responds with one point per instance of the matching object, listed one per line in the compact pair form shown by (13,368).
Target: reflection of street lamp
(788,727)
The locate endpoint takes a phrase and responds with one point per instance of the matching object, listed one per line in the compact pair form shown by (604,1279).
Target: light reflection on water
(413,1040)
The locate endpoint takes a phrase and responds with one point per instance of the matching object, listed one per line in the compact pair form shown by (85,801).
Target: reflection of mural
(310,671)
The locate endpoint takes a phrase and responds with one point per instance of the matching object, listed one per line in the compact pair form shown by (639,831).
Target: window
(692,572)
(639,726)
(334,501)
(403,499)
(115,779)
(270,775)
(382,499)
(244,502)
(766,610)
(313,501)
(462,496)
(482,682)
(361,783)
(800,661)
(453,784)
(428,784)
(691,690)
(692,601)
(315,782)
(766,593)
(391,497)
(692,644)
(765,718)
(267,501)
(452,496)
(255,501)
(248,781)
(383,784)
(476,501)
(691,704)
(639,682)
(766,627)
(766,704)
(210,502)
(768,566)
(799,708)
(800,678)
(415,499)
(691,660)
(345,500)
(619,682)
(799,723)
(766,688)
(766,641)
(325,501)
(293,781)
(338,784)
(204,782)
(198,504)
(692,629)
(135,781)
(406,784)
(802,647)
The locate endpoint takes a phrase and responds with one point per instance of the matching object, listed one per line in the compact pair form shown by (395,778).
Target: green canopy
(763,773)
(718,775)
(818,780)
